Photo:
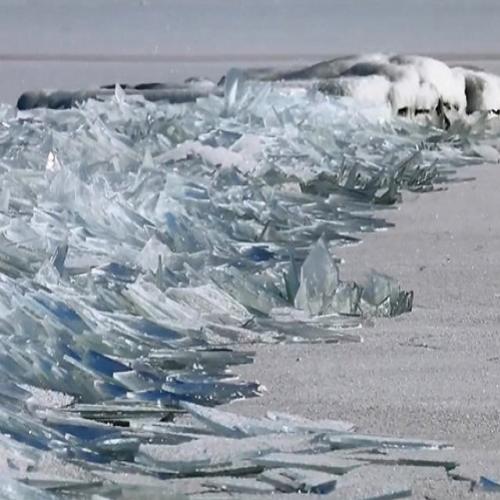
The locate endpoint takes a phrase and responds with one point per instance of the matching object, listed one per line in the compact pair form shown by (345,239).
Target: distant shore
(180,57)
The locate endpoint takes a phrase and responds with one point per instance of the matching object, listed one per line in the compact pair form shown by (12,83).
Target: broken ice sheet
(382,296)
(11,489)
(216,455)
(421,458)
(237,426)
(320,290)
(348,441)
(289,480)
(489,484)
(247,486)
(139,242)
(318,280)
(287,453)
(375,481)
(291,456)
(346,299)
(326,328)
(320,462)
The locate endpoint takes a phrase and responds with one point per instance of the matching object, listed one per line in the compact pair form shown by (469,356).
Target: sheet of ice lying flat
(216,452)
(141,242)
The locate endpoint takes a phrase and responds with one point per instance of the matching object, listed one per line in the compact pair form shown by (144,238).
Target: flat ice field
(159,261)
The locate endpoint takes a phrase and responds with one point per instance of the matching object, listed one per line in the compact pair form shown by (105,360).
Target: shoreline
(432,373)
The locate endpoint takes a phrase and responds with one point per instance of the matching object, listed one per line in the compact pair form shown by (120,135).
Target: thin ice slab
(319,462)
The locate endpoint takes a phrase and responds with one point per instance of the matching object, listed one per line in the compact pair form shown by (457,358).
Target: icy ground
(142,243)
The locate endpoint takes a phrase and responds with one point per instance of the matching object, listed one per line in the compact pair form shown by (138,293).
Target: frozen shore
(430,374)
(433,372)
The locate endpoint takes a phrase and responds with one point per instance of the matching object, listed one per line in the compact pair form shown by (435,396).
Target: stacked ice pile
(424,89)
(141,242)
(218,453)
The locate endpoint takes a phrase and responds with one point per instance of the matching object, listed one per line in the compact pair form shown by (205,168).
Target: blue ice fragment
(103,364)
(155,330)
(29,438)
(66,350)
(59,257)
(220,138)
(110,390)
(118,272)
(292,281)
(210,392)
(87,455)
(65,314)
(84,432)
(161,397)
(179,235)
(13,391)
(149,376)
(489,484)
(196,191)
(11,488)
(258,254)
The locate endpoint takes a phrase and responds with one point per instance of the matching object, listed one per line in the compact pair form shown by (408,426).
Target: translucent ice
(318,280)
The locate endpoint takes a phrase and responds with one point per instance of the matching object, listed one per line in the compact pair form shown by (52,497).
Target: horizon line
(211,58)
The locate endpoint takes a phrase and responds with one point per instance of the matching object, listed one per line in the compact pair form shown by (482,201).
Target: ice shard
(488,484)
(382,296)
(318,280)
(289,480)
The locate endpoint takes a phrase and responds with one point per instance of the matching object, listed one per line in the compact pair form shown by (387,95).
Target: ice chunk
(307,425)
(346,299)
(205,390)
(320,462)
(344,441)
(318,280)
(382,296)
(238,426)
(153,254)
(246,486)
(220,450)
(289,480)
(489,153)
(489,484)
(233,88)
(421,458)
(11,489)
(4,198)
(53,164)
